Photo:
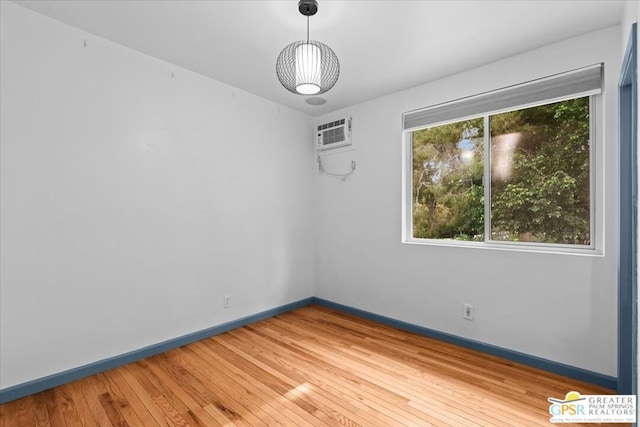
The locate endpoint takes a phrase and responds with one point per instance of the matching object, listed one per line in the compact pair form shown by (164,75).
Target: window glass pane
(448,193)
(540,174)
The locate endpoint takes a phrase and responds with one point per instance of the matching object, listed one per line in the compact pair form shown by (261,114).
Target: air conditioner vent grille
(334,134)
(331,136)
(331,124)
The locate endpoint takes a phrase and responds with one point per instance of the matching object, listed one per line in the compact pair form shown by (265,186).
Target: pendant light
(307,67)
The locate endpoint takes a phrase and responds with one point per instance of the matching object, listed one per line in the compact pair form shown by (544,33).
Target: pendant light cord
(307,28)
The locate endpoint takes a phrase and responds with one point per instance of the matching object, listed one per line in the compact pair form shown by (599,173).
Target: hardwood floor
(310,367)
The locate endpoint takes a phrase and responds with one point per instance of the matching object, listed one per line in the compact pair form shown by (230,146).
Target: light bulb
(308,69)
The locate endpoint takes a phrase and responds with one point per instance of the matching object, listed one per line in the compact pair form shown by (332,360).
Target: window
(520,172)
(448,175)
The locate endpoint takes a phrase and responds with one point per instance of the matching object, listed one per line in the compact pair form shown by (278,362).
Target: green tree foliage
(542,195)
(546,197)
(448,192)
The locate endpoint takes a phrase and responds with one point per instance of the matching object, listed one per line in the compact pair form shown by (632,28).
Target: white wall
(559,307)
(132,200)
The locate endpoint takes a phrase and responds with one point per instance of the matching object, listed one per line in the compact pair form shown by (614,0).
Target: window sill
(509,246)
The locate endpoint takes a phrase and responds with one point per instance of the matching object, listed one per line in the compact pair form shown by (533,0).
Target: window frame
(595,248)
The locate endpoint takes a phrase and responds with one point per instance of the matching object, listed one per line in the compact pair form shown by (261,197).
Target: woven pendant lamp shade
(308,67)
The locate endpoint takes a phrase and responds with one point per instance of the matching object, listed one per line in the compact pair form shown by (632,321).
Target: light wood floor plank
(54,409)
(189,389)
(261,374)
(147,400)
(292,382)
(8,414)
(389,373)
(41,415)
(339,371)
(163,396)
(330,407)
(76,391)
(200,355)
(313,366)
(25,412)
(228,395)
(96,409)
(339,384)
(133,399)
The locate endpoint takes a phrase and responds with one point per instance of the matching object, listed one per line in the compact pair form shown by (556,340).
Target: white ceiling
(383,46)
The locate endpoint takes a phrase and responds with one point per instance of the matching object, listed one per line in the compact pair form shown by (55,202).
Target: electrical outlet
(227,301)
(468,312)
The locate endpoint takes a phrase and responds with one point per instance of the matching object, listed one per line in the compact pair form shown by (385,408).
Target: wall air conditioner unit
(334,134)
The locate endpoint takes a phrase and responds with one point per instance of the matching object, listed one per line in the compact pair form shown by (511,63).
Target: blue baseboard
(25,389)
(515,356)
